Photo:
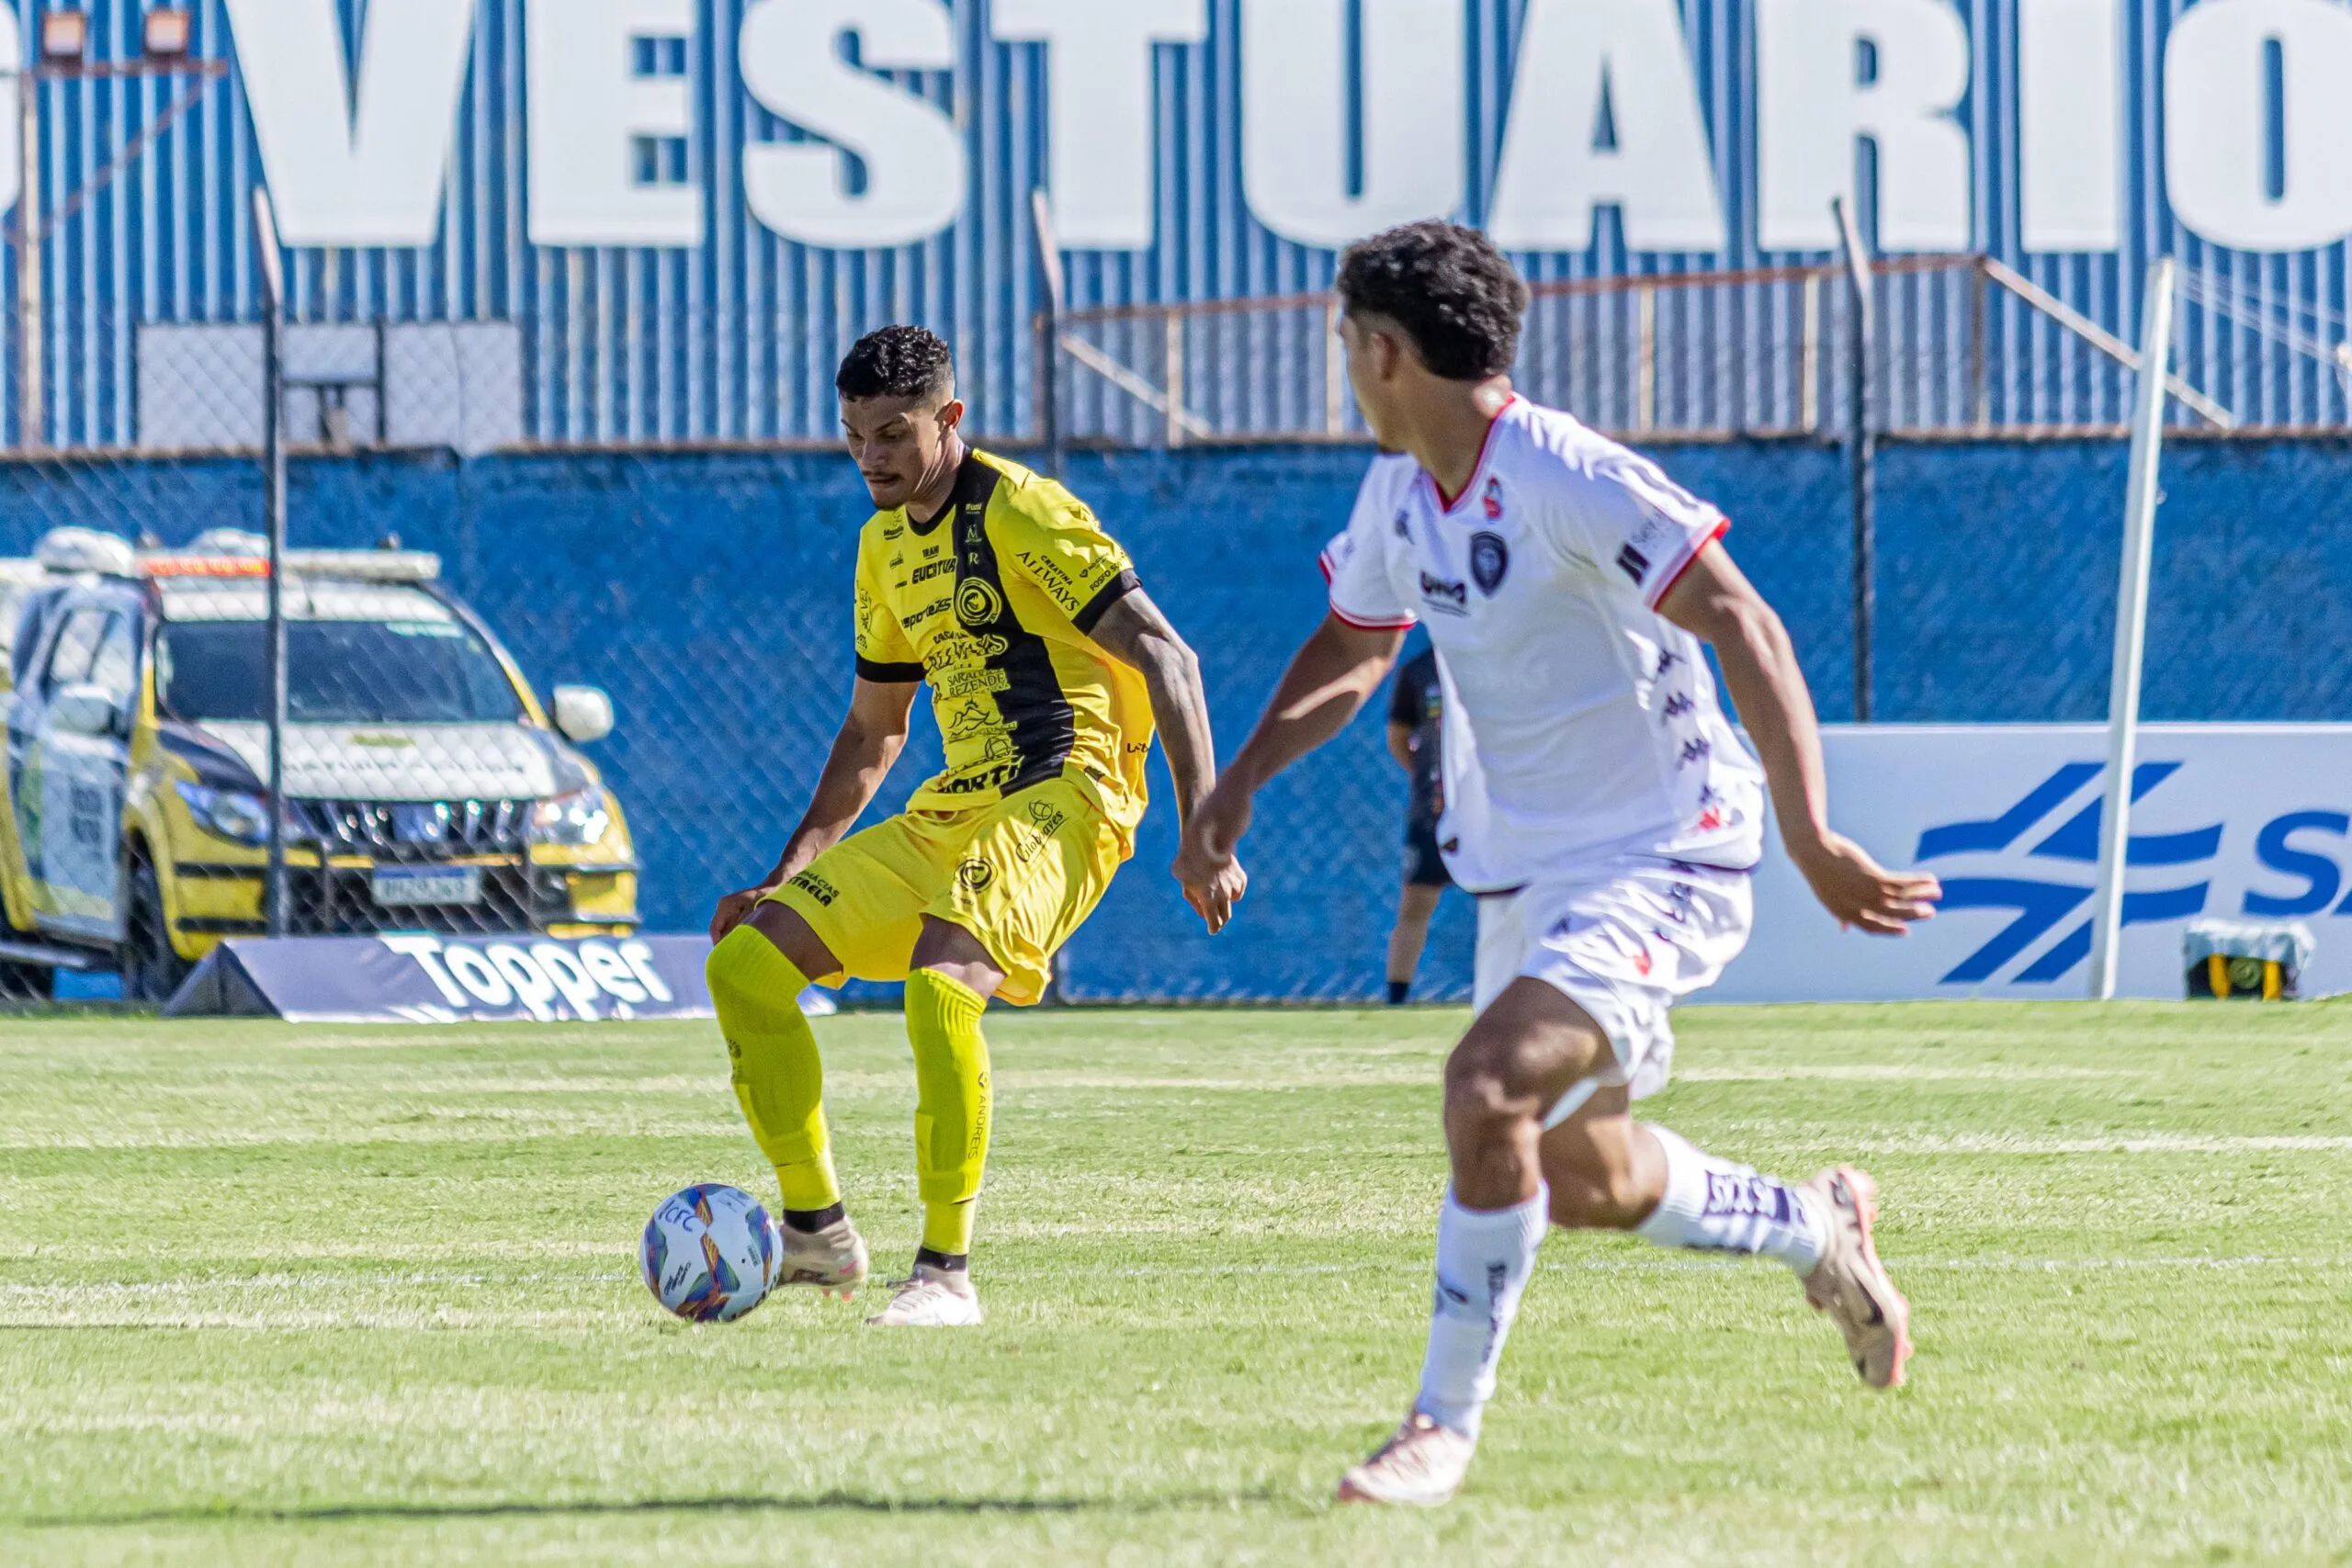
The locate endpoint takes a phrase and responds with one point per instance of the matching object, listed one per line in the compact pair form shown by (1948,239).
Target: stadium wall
(706,593)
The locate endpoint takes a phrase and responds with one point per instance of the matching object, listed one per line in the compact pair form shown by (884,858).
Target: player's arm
(871,737)
(1331,677)
(1134,632)
(1713,600)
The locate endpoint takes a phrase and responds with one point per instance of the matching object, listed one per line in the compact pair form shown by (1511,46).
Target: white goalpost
(2131,627)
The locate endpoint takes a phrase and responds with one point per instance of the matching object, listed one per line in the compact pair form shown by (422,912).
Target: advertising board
(2240,822)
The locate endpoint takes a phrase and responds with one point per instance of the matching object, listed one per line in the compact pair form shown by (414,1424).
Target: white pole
(2132,628)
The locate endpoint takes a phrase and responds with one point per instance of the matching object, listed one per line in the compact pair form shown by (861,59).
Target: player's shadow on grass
(826,1502)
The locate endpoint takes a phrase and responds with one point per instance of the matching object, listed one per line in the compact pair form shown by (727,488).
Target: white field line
(15,1299)
(494,1126)
(2114,1144)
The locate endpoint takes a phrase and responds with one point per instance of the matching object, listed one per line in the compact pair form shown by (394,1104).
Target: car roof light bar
(346,566)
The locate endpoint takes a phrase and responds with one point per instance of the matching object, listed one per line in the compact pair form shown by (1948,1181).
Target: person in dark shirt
(1413,711)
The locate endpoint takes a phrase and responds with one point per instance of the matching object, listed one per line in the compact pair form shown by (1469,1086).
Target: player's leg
(1625,951)
(1026,879)
(1528,1049)
(756,976)
(818,925)
(949,982)
(1606,1171)
(1414,908)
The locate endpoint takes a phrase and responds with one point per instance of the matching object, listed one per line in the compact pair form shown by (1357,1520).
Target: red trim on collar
(1486,445)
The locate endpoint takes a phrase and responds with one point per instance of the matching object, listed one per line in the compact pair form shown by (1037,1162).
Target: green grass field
(303,1295)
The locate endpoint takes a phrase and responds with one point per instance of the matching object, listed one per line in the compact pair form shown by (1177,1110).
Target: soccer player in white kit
(1596,801)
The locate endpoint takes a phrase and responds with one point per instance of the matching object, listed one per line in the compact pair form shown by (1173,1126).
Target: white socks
(1483,1262)
(1713,1205)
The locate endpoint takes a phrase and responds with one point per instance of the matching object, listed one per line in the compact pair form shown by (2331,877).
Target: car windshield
(337,672)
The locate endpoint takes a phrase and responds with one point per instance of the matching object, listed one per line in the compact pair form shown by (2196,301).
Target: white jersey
(1581,725)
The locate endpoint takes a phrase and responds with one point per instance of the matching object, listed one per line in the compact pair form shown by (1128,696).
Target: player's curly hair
(1454,293)
(897,362)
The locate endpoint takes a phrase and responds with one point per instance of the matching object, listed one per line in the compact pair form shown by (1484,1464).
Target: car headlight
(231,813)
(576,818)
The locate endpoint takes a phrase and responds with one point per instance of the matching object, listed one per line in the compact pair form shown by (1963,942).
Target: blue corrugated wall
(736,339)
(709,595)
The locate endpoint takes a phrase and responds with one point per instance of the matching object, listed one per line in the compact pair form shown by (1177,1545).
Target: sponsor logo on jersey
(1040,565)
(1451,598)
(911,622)
(976,784)
(970,683)
(1404,523)
(923,574)
(894,530)
(1633,564)
(972,722)
(1694,751)
(953,648)
(1678,705)
(1494,501)
(977,603)
(1489,562)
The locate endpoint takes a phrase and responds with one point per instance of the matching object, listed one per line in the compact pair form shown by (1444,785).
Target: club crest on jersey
(1489,562)
(977,603)
(1494,503)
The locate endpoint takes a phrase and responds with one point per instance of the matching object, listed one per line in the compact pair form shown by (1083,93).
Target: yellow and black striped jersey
(992,603)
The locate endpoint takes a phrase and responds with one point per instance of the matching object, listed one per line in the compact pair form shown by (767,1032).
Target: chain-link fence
(463,600)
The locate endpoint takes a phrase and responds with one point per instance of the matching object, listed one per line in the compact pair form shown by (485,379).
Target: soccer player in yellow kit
(1049,668)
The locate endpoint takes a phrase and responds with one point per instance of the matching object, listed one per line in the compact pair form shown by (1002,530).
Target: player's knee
(750,977)
(1480,1093)
(724,971)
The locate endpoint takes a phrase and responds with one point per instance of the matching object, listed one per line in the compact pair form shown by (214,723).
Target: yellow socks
(780,1083)
(779,1080)
(950,1105)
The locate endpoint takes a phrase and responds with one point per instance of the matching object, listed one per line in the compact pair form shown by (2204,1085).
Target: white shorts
(1625,941)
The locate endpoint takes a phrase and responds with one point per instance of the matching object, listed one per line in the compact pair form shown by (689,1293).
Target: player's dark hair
(897,362)
(1452,291)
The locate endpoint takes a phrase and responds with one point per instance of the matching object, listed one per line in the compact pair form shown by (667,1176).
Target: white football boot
(932,1298)
(1420,1467)
(832,1259)
(1852,1285)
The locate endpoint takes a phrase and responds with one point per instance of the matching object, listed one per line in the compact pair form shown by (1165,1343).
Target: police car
(426,788)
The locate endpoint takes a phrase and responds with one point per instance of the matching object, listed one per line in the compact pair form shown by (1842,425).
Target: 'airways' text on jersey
(1579,719)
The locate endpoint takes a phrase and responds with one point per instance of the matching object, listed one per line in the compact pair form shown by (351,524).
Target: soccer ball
(709,1253)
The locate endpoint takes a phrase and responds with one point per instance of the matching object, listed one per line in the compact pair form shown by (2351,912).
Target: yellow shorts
(1020,874)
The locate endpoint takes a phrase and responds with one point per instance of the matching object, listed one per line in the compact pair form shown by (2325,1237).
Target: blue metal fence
(709,594)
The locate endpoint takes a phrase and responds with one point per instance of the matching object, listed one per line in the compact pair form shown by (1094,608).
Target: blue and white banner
(2236,821)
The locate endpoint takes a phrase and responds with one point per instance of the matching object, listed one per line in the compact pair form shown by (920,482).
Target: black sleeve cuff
(887,674)
(1097,607)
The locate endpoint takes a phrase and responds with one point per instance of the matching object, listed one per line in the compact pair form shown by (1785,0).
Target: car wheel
(151,970)
(27,982)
